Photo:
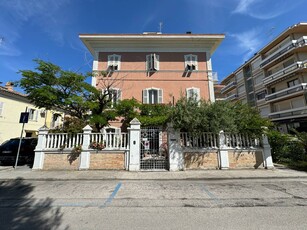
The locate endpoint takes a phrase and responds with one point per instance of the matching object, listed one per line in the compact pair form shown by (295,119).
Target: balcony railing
(301,41)
(286,92)
(284,72)
(228,87)
(290,113)
(213,76)
(282,50)
(232,97)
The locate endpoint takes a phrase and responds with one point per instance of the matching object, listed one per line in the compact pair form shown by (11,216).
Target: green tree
(190,115)
(51,87)
(127,109)
(301,138)
(200,116)
(154,115)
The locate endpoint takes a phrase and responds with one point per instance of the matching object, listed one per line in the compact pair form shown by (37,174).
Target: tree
(51,87)
(154,115)
(127,110)
(192,115)
(148,114)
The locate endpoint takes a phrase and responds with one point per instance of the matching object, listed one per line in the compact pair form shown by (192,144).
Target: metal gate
(153,152)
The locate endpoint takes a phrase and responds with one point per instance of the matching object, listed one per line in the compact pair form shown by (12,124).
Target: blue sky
(48,30)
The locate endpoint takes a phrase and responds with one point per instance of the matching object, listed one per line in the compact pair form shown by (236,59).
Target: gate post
(267,157)
(134,144)
(175,154)
(85,154)
(39,149)
(223,153)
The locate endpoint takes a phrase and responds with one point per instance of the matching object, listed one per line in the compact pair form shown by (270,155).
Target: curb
(155,179)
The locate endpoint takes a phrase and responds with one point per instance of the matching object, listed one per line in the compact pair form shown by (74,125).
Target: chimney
(9,86)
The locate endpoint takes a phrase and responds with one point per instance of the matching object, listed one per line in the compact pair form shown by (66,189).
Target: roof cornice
(98,42)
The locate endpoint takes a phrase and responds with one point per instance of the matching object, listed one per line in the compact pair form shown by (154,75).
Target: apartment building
(154,68)
(274,80)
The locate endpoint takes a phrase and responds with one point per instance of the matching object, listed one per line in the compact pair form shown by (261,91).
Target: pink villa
(155,68)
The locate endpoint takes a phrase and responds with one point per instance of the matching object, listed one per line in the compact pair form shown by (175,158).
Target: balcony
(289,114)
(294,44)
(301,41)
(213,76)
(232,97)
(278,53)
(229,87)
(285,93)
(284,72)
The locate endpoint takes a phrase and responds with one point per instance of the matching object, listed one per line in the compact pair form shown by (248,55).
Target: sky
(48,30)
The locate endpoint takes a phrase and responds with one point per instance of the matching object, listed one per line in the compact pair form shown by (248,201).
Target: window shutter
(119,95)
(197,93)
(188,92)
(160,96)
(145,96)
(111,59)
(114,62)
(148,62)
(156,62)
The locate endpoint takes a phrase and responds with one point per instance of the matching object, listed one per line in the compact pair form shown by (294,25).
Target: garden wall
(200,160)
(237,159)
(61,161)
(108,160)
(245,159)
(67,161)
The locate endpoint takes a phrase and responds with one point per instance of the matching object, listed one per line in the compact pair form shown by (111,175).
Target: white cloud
(248,42)
(244,6)
(16,13)
(265,9)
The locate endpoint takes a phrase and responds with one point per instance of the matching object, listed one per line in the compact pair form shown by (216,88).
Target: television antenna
(160,27)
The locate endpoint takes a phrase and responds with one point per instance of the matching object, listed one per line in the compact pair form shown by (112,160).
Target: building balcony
(286,93)
(284,72)
(289,114)
(229,87)
(287,48)
(232,97)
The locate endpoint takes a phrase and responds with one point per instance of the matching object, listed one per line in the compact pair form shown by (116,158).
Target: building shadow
(20,210)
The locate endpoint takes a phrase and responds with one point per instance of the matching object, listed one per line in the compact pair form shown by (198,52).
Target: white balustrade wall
(218,141)
(62,141)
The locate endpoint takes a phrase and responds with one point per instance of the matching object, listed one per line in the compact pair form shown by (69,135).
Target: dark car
(8,150)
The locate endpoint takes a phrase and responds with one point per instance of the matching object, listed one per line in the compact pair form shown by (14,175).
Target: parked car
(8,150)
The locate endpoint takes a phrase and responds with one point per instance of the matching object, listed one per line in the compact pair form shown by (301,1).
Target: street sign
(24,117)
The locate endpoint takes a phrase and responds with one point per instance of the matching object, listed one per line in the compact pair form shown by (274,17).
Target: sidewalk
(9,173)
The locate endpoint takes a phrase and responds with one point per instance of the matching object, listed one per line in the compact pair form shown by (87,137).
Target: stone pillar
(39,150)
(175,153)
(134,144)
(85,154)
(223,152)
(267,157)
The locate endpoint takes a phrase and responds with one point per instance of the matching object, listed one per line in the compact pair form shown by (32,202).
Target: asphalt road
(154,204)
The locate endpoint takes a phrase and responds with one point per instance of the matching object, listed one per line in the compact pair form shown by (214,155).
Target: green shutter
(145,96)
(160,96)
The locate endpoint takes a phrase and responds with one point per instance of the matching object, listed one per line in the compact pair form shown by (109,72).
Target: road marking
(111,197)
(211,195)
